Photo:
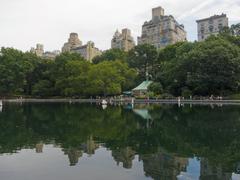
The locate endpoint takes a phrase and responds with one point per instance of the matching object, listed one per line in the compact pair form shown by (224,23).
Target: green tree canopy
(205,68)
(143,58)
(110,55)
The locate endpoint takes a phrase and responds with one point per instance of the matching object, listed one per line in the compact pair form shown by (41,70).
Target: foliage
(143,58)
(17,71)
(200,131)
(69,75)
(211,67)
(110,55)
(201,68)
(156,88)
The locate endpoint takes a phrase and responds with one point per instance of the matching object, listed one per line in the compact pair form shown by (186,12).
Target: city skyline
(25,23)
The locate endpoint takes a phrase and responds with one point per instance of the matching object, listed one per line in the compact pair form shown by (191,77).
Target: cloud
(27,22)
(196,9)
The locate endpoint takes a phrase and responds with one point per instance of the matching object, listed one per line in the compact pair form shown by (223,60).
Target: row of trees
(201,68)
(69,75)
(185,68)
(188,68)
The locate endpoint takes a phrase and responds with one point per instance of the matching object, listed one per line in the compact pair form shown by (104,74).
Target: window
(210,21)
(211,28)
(220,26)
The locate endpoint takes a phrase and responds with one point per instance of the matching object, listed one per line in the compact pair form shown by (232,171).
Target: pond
(61,141)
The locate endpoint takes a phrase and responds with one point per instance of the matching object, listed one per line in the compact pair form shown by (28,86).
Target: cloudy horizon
(28,22)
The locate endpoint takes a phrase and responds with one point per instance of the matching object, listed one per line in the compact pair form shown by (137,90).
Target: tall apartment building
(162,30)
(73,42)
(236,29)
(51,54)
(211,26)
(39,51)
(123,41)
(88,51)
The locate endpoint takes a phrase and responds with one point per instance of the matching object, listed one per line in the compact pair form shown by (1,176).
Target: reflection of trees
(124,155)
(209,172)
(160,165)
(209,133)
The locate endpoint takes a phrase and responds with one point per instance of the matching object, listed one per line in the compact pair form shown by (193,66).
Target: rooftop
(212,17)
(143,86)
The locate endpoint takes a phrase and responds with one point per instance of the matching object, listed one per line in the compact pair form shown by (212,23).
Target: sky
(24,23)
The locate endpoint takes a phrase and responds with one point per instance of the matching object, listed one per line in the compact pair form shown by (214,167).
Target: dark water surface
(85,142)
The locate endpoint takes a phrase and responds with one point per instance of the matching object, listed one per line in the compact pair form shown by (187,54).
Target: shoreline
(125,101)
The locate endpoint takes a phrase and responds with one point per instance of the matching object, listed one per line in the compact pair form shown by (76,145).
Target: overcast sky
(23,23)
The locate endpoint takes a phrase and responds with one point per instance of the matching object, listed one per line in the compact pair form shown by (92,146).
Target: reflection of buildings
(39,148)
(125,156)
(90,146)
(144,113)
(163,166)
(209,172)
(73,155)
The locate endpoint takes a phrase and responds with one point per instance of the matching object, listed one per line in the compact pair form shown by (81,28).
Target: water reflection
(164,139)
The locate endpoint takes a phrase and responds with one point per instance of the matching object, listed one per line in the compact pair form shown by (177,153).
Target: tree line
(68,75)
(183,69)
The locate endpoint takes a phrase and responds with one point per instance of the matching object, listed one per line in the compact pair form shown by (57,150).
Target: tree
(43,88)
(111,79)
(211,67)
(14,69)
(75,79)
(156,88)
(169,53)
(110,55)
(60,71)
(167,60)
(144,59)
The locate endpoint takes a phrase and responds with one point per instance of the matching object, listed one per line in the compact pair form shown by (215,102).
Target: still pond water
(85,142)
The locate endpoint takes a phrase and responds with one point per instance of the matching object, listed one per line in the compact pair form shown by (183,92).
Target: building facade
(236,29)
(39,51)
(123,41)
(73,42)
(88,51)
(162,30)
(211,26)
(51,54)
